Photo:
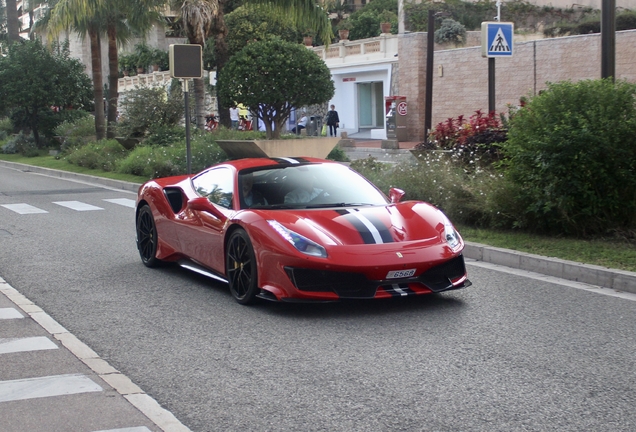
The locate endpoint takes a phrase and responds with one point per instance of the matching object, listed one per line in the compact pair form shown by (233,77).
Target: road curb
(619,280)
(115,184)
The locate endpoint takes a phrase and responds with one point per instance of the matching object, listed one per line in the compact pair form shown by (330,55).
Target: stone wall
(463,87)
(412,80)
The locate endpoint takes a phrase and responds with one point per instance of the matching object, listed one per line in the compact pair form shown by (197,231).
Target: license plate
(397,274)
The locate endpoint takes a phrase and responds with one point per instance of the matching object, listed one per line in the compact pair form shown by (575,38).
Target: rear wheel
(240,267)
(147,237)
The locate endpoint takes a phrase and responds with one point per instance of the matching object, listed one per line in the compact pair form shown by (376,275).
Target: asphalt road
(508,353)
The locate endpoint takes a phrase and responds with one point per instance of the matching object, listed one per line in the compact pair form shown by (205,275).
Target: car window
(217,185)
(309,185)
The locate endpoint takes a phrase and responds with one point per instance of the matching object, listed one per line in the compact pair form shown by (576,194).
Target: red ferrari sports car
(298,229)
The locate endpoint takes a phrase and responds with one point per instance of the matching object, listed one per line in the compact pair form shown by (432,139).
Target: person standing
(234,116)
(333,121)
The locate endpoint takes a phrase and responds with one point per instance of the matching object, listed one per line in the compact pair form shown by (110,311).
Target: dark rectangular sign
(186,61)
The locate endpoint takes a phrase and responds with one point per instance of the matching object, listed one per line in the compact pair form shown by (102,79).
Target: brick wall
(463,88)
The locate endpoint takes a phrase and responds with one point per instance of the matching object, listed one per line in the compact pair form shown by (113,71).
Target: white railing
(377,48)
(156,78)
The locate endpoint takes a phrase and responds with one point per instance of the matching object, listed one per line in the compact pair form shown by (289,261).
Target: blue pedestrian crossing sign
(496,39)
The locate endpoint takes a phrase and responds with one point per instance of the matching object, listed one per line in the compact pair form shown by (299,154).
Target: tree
(83,17)
(119,20)
(257,23)
(205,18)
(272,77)
(34,79)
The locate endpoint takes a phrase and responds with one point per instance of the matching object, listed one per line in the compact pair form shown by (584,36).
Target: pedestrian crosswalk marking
(38,343)
(127,202)
(10,313)
(58,385)
(499,43)
(22,208)
(77,205)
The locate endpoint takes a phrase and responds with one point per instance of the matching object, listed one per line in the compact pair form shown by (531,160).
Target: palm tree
(119,20)
(13,24)
(205,18)
(83,17)
(124,18)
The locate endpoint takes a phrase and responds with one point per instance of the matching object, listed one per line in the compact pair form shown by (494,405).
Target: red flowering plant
(472,141)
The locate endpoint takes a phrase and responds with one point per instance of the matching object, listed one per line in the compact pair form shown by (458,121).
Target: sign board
(496,39)
(401,108)
(186,61)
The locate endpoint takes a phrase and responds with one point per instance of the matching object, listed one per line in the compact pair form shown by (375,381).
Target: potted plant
(387,19)
(160,60)
(343,28)
(308,37)
(126,64)
(144,57)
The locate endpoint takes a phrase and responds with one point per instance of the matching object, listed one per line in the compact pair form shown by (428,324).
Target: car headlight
(302,243)
(450,234)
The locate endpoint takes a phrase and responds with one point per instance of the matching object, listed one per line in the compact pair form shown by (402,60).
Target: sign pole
(491,84)
(186,62)
(187,122)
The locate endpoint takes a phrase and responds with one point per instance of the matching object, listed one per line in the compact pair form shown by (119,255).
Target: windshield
(306,186)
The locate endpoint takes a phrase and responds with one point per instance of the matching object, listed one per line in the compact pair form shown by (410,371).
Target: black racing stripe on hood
(382,229)
(366,235)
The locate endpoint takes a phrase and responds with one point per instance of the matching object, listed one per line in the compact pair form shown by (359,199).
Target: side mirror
(204,205)
(395,195)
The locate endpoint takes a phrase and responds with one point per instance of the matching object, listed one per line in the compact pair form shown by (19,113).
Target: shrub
(571,155)
(147,107)
(154,162)
(6,126)
(464,197)
(21,143)
(473,143)
(75,133)
(339,155)
(102,155)
(451,31)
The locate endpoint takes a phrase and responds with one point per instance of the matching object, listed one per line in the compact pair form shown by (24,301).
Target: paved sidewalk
(51,381)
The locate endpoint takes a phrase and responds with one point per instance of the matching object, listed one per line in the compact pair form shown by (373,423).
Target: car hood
(393,223)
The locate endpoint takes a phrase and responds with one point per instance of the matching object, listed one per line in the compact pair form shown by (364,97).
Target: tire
(240,268)
(147,237)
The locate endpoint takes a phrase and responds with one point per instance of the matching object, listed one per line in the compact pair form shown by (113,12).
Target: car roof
(251,163)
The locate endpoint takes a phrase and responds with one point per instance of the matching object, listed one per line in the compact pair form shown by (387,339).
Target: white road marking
(77,205)
(130,429)
(38,343)
(10,313)
(127,202)
(23,208)
(58,385)
(551,279)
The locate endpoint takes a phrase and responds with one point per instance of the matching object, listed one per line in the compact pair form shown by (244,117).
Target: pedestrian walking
(333,121)
(234,117)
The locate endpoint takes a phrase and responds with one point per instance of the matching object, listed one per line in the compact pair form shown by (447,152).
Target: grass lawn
(603,252)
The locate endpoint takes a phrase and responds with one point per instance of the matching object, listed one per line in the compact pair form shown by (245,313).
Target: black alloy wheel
(240,267)
(147,237)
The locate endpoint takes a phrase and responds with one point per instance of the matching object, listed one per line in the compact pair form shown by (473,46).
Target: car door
(202,232)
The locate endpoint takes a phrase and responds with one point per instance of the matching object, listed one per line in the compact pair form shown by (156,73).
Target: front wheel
(240,267)
(147,237)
